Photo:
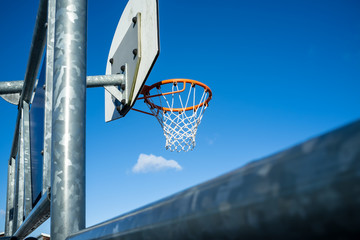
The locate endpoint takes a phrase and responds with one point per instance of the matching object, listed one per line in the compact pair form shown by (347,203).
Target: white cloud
(2,212)
(152,163)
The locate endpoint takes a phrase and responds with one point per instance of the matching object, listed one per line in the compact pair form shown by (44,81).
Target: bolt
(122,68)
(111,60)
(123,102)
(135,52)
(118,108)
(134,20)
(122,86)
(44,86)
(42,152)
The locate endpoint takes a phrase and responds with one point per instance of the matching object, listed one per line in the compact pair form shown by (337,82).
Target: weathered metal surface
(310,191)
(14,146)
(9,217)
(27,165)
(105,80)
(36,51)
(11,87)
(16,192)
(68,119)
(21,176)
(12,98)
(38,215)
(48,96)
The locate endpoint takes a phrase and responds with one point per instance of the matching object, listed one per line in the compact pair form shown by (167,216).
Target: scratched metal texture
(310,191)
(37,216)
(105,80)
(36,50)
(11,87)
(9,217)
(20,177)
(46,181)
(27,164)
(68,119)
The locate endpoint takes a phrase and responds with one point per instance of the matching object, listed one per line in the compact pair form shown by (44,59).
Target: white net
(179,113)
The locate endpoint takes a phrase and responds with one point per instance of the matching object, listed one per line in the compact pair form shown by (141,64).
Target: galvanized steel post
(68,119)
(27,165)
(9,218)
(21,175)
(48,95)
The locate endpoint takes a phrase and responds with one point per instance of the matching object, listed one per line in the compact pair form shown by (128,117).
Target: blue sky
(281,72)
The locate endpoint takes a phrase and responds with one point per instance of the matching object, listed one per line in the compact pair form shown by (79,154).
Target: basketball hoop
(178,111)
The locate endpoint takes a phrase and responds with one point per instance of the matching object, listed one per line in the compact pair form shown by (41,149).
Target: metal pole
(21,174)
(68,119)
(11,87)
(48,95)
(9,218)
(16,187)
(105,80)
(27,165)
(36,52)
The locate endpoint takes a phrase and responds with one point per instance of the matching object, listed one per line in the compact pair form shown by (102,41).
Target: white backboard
(149,50)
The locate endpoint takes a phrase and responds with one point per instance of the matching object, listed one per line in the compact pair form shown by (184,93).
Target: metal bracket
(126,61)
(12,98)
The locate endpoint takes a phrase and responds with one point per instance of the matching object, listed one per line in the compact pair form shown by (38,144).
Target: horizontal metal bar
(37,216)
(310,191)
(91,82)
(11,87)
(105,80)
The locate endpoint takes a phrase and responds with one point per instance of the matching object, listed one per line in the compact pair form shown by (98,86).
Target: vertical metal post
(9,221)
(48,95)
(68,119)
(16,184)
(27,165)
(21,175)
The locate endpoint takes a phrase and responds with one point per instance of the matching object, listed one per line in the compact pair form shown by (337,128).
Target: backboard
(133,52)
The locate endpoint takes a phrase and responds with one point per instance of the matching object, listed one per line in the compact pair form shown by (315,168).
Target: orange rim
(146,92)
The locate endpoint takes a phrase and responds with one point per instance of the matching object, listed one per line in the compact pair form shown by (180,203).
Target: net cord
(179,128)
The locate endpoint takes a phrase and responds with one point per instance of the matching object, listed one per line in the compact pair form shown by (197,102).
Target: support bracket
(126,61)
